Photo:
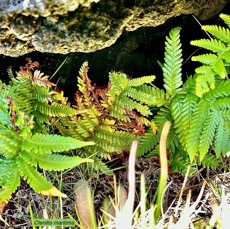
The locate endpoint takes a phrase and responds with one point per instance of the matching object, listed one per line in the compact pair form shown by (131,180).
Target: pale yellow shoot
(53,192)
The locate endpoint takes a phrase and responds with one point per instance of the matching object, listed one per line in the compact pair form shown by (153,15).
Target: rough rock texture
(64,26)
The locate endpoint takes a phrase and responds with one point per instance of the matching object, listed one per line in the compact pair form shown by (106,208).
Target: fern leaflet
(173,61)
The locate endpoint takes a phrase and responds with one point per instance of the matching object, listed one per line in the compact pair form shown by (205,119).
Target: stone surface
(65,26)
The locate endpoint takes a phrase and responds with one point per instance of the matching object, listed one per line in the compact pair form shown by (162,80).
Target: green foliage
(198,109)
(172,62)
(112,116)
(24,150)
(216,63)
(33,95)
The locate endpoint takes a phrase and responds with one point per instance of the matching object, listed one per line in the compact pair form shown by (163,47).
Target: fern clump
(112,116)
(214,64)
(24,149)
(32,93)
(199,114)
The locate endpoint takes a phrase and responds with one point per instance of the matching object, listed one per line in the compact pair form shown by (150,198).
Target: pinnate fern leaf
(211,161)
(141,81)
(158,97)
(226,19)
(182,107)
(207,59)
(213,45)
(147,143)
(219,32)
(44,143)
(4,118)
(32,176)
(9,180)
(192,139)
(207,134)
(99,165)
(54,162)
(222,90)
(172,62)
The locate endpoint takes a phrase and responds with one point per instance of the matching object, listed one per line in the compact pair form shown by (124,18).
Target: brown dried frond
(41,80)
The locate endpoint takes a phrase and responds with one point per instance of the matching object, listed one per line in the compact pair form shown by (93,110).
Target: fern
(211,161)
(51,162)
(173,61)
(225,18)
(112,116)
(199,110)
(46,144)
(32,176)
(10,179)
(213,64)
(22,149)
(37,100)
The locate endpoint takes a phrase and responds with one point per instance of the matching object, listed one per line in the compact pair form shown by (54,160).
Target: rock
(65,26)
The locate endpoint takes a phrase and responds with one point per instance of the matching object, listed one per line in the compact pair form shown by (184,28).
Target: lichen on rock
(64,26)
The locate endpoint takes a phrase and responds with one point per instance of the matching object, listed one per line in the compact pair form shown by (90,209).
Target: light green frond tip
(226,19)
(172,71)
(219,32)
(210,44)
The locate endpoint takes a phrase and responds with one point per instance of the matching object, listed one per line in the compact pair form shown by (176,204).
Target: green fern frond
(9,142)
(208,59)
(225,115)
(137,93)
(172,62)
(225,18)
(205,82)
(4,165)
(68,127)
(219,32)
(210,161)
(172,141)
(162,116)
(222,103)
(32,176)
(180,163)
(112,141)
(147,142)
(222,89)
(141,81)
(207,134)
(46,144)
(226,145)
(119,82)
(9,179)
(99,165)
(54,162)
(213,45)
(55,109)
(190,85)
(216,67)
(4,117)
(200,114)
(219,69)
(158,97)
(182,106)
(38,101)
(130,104)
